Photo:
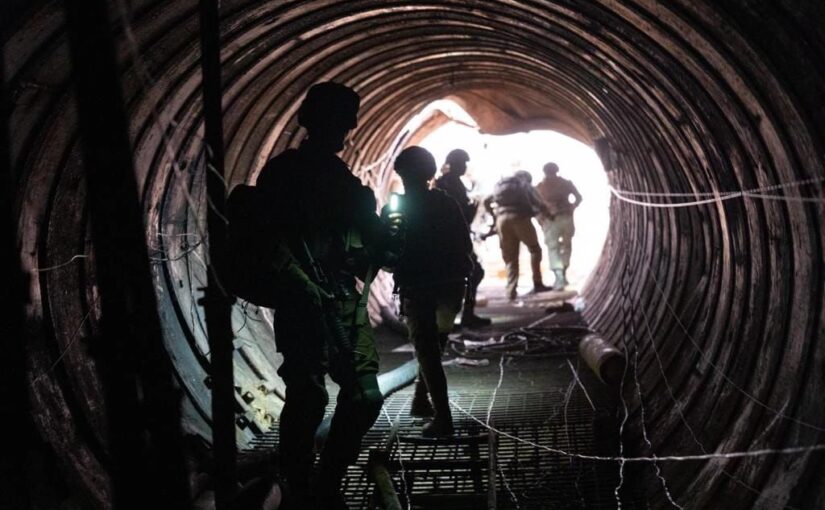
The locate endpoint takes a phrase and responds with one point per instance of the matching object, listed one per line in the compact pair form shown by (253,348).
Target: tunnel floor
(537,399)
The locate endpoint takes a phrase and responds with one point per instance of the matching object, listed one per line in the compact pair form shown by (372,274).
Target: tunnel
(709,118)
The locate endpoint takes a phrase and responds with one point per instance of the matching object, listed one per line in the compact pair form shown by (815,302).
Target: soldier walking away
(324,232)
(513,204)
(450,183)
(558,224)
(430,276)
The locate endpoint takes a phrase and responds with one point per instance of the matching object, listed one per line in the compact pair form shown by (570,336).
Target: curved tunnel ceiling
(693,97)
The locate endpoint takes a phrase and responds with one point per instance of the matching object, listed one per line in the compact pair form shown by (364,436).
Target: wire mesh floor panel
(528,476)
(559,415)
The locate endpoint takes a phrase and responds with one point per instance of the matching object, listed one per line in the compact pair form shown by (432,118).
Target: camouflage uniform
(314,199)
(453,187)
(515,205)
(558,224)
(432,286)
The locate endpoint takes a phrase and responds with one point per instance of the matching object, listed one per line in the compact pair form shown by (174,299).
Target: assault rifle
(492,230)
(339,340)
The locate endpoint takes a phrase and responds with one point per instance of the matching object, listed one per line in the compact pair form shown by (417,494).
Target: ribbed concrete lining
(693,95)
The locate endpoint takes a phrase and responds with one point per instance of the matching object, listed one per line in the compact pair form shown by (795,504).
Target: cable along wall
(722,302)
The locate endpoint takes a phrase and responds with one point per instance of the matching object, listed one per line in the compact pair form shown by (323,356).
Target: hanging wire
(704,198)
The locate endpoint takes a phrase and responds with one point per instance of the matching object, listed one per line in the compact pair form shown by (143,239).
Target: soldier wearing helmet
(513,204)
(450,183)
(431,287)
(316,207)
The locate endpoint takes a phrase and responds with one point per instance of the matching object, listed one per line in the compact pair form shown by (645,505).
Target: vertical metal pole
(145,461)
(217,304)
(492,467)
(14,402)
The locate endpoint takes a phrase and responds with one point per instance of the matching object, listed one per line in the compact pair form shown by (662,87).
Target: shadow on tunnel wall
(727,309)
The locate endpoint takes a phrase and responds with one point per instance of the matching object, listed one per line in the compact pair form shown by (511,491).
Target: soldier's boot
(421,406)
(470,320)
(328,488)
(539,287)
(442,424)
(296,494)
(561,280)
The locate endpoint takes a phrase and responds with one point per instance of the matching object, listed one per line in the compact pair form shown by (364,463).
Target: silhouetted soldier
(450,183)
(516,202)
(322,218)
(558,224)
(430,276)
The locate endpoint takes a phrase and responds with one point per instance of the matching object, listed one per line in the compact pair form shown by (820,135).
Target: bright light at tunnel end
(495,156)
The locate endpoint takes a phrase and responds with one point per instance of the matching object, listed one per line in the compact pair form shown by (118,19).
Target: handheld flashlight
(395,202)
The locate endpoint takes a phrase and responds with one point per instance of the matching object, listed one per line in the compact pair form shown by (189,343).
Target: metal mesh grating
(528,477)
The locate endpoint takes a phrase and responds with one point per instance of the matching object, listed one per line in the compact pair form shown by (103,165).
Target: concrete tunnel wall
(694,96)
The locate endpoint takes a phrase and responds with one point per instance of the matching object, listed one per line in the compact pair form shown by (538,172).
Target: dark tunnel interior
(717,102)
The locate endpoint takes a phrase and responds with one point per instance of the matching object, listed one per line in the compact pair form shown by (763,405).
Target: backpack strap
(365,294)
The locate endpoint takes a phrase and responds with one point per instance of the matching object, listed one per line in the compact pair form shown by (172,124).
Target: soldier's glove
(395,222)
(390,250)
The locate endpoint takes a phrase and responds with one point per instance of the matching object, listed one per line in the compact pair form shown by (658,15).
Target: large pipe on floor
(605,360)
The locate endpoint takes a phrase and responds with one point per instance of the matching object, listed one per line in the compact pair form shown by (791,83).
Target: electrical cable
(526,342)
